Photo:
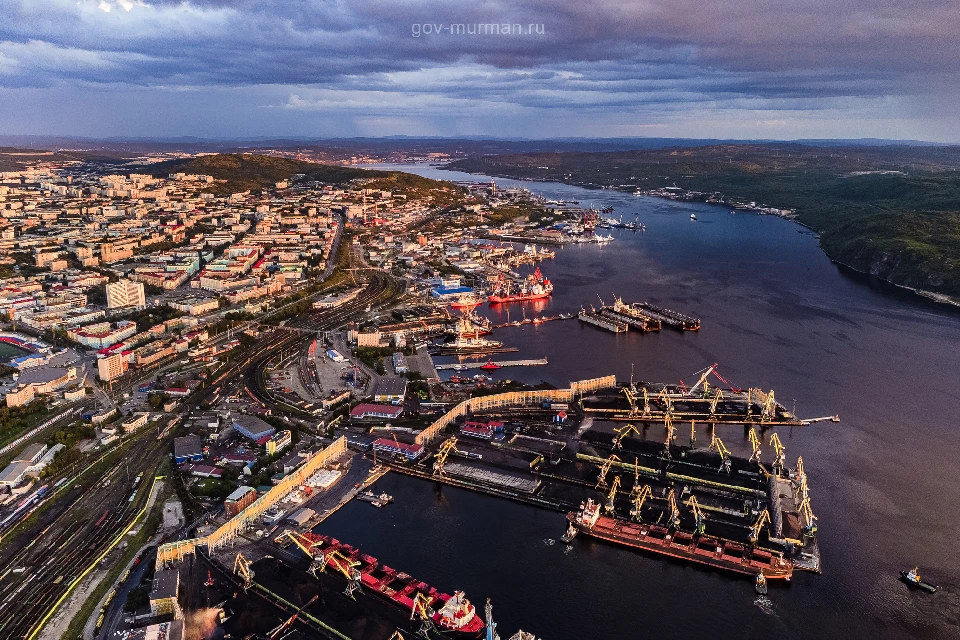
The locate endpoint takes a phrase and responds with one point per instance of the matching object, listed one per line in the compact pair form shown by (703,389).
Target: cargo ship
(466,344)
(536,287)
(452,614)
(467,301)
(714,552)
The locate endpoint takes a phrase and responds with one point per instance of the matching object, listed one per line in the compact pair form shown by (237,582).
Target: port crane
(286,624)
(667,401)
(717,399)
(780,452)
(638,497)
(241,567)
(801,478)
(755,443)
(810,528)
(448,446)
(622,433)
(699,516)
(668,438)
(604,470)
(307,546)
(344,565)
(703,381)
(610,507)
(717,445)
(762,520)
(673,520)
(421,608)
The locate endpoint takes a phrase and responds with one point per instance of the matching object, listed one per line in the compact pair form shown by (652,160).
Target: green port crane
(762,520)
(699,516)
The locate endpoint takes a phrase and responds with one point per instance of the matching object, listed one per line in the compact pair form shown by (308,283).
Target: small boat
(693,216)
(761,584)
(912,578)
(490,365)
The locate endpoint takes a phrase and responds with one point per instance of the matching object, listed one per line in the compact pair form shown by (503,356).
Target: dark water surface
(776,313)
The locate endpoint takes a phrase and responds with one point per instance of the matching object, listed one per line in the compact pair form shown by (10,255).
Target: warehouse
(187,449)
(252,427)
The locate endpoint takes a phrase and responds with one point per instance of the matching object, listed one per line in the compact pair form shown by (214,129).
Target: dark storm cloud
(591,54)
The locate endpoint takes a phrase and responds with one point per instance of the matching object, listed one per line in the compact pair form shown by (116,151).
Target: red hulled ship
(536,287)
(453,614)
(715,552)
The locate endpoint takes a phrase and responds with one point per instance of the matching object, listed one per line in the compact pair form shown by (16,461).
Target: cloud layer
(578,67)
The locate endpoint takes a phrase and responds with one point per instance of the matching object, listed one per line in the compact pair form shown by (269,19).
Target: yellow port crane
(622,433)
(602,480)
(717,445)
(611,505)
(421,609)
(810,528)
(664,397)
(699,516)
(762,520)
(717,399)
(769,408)
(632,399)
(638,497)
(673,520)
(241,567)
(668,437)
(703,381)
(449,445)
(800,477)
(755,443)
(780,452)
(344,565)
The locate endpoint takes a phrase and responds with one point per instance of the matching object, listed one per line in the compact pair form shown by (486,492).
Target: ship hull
(688,549)
(518,298)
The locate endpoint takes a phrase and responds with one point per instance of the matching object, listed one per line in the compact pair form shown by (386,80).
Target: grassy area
(891,211)
(16,421)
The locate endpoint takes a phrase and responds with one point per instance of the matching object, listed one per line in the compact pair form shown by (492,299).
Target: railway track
(35,577)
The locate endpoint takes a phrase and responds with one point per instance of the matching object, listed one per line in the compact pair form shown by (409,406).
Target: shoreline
(930,296)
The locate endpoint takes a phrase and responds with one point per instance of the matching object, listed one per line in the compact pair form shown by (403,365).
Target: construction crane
(602,480)
(638,497)
(699,516)
(622,433)
(610,507)
(781,454)
(286,624)
(717,445)
(703,381)
(755,443)
(762,520)
(448,446)
(421,608)
(673,520)
(241,567)
(810,528)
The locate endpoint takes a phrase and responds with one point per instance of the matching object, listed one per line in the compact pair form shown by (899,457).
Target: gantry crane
(780,452)
(755,443)
(286,624)
(611,505)
(699,516)
(241,567)
(602,480)
(762,520)
(810,528)
(717,445)
(446,449)
(673,520)
(638,497)
(622,433)
(421,608)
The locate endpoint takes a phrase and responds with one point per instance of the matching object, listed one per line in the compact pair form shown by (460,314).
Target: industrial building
(390,389)
(366,410)
(187,449)
(390,447)
(252,427)
(166,587)
(239,500)
(301,517)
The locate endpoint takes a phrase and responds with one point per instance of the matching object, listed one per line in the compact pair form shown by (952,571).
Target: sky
(747,69)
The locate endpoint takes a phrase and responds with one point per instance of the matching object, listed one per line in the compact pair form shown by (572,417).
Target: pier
(499,364)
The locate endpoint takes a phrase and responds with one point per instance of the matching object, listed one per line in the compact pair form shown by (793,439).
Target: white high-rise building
(125,293)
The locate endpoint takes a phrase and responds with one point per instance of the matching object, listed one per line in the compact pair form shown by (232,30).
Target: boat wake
(765,604)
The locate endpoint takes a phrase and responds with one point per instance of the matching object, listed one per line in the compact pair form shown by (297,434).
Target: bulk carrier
(702,549)
(536,287)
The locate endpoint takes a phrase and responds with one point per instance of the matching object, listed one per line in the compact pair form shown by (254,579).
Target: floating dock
(497,364)
(668,317)
(597,320)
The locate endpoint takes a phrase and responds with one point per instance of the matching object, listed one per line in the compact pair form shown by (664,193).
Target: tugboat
(912,578)
(490,365)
